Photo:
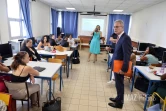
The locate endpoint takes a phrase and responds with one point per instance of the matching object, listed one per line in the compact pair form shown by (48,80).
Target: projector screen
(88,23)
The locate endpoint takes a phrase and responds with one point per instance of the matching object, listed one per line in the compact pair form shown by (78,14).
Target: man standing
(122,52)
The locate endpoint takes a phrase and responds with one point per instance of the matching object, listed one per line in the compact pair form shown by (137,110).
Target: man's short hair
(120,21)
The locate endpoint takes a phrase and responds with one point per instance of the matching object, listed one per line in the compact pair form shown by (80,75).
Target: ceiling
(129,6)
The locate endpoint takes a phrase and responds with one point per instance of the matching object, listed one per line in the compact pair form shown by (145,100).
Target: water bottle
(162,68)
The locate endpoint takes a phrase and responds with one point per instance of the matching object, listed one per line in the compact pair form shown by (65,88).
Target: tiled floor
(87,90)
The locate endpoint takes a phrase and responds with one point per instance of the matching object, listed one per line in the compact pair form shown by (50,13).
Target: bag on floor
(52,105)
(75,60)
(141,84)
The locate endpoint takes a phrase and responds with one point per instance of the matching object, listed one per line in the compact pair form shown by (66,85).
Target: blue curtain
(112,19)
(26,14)
(70,23)
(54,15)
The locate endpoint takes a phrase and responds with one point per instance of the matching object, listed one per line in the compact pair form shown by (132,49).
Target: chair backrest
(54,60)
(19,88)
(157,65)
(60,48)
(61,56)
(6,98)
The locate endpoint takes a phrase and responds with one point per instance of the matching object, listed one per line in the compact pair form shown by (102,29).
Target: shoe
(112,99)
(105,59)
(111,82)
(116,105)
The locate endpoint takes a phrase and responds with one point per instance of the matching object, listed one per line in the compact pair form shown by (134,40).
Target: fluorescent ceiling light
(117,10)
(70,8)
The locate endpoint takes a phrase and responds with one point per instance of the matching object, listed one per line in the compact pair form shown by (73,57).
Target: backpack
(76,59)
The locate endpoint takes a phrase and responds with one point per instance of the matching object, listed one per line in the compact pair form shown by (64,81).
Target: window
(16,21)
(60,19)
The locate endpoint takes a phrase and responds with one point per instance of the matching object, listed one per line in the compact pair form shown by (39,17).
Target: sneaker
(111,82)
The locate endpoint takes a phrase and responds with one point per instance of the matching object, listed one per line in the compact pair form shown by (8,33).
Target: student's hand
(33,80)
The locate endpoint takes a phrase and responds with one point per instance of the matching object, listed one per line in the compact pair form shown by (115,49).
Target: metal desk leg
(41,86)
(61,78)
(147,95)
(50,86)
(71,61)
(108,62)
(133,80)
(68,67)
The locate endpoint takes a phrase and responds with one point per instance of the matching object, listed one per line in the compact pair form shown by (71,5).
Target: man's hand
(121,72)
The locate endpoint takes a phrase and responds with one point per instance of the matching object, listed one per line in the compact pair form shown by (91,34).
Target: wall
(40,16)
(149,25)
(4,28)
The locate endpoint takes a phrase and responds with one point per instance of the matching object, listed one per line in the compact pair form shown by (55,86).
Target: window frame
(20,20)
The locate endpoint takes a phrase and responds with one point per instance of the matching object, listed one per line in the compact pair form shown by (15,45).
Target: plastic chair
(13,87)
(52,60)
(164,100)
(64,60)
(7,98)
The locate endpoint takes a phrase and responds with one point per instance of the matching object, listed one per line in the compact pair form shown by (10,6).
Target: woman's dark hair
(25,42)
(51,36)
(42,40)
(18,60)
(152,51)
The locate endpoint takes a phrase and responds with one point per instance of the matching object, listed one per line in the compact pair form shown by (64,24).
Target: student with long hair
(21,73)
(44,42)
(28,47)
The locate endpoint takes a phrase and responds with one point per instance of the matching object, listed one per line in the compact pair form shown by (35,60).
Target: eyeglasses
(117,26)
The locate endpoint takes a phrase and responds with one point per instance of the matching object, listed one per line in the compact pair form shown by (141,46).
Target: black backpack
(75,59)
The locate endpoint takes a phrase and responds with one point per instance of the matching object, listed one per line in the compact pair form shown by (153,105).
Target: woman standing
(95,43)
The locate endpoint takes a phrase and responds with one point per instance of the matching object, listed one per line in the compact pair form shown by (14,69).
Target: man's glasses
(117,26)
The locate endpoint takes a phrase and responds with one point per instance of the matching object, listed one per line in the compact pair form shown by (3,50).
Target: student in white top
(71,41)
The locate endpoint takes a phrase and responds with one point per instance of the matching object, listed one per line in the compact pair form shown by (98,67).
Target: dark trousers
(119,84)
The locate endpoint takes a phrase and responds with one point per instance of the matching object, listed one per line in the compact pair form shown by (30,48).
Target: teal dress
(95,43)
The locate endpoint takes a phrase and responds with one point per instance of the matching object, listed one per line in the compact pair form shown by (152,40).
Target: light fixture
(70,8)
(117,10)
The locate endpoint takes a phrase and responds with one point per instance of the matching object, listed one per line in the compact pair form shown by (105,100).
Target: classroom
(82,55)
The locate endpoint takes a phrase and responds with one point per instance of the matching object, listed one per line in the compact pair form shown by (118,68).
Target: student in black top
(52,40)
(27,46)
(21,73)
(64,42)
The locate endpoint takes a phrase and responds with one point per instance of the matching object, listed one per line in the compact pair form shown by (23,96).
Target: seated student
(149,56)
(58,39)
(52,40)
(21,73)
(71,41)
(44,42)
(27,46)
(160,88)
(3,68)
(64,42)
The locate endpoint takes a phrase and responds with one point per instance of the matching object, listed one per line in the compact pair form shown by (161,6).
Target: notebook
(40,69)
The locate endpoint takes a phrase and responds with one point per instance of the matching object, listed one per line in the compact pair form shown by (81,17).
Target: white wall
(4,28)
(149,25)
(40,16)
